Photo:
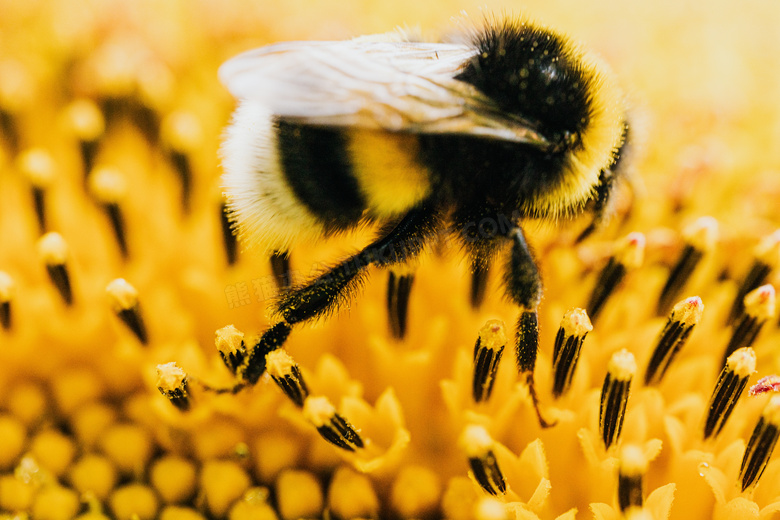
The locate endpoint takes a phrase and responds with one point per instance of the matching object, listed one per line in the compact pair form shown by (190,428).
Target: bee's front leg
(524,287)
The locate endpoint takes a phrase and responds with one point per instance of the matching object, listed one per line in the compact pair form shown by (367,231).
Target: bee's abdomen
(388,171)
(316,165)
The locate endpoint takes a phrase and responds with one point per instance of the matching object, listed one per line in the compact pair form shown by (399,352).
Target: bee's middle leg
(524,287)
(482,231)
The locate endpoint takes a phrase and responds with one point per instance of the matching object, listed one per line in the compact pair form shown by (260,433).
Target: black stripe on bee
(316,165)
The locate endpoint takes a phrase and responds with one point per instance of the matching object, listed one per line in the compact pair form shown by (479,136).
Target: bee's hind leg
(323,295)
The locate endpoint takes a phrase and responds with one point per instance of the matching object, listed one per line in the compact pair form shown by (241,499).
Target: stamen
(684,317)
(399,288)
(629,255)
(182,134)
(6,297)
(124,302)
(54,252)
(155,96)
(228,237)
(527,346)
(766,384)
(287,374)
(332,426)
(246,364)
(575,325)
(16,94)
(230,344)
(614,396)
(478,445)
(479,280)
(767,257)
(761,444)
(172,383)
(487,355)
(88,125)
(108,187)
(9,129)
(732,381)
(759,308)
(38,167)
(633,466)
(280,267)
(700,239)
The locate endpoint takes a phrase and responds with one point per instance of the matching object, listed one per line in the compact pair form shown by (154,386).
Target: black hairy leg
(604,193)
(524,287)
(483,230)
(480,228)
(333,288)
(523,283)
(607,187)
(323,295)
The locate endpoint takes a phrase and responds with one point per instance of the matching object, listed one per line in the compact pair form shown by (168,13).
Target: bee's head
(534,74)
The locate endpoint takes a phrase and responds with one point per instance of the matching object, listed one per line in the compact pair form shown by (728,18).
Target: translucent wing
(393,86)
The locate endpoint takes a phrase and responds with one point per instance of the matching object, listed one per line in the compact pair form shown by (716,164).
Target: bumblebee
(514,122)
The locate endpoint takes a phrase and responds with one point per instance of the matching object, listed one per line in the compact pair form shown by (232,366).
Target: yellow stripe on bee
(387,170)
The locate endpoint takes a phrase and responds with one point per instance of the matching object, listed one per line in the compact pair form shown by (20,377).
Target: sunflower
(128,310)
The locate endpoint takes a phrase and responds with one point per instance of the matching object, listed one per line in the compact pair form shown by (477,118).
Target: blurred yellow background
(703,76)
(703,80)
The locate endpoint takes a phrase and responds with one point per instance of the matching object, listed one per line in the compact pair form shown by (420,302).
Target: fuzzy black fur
(530,72)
